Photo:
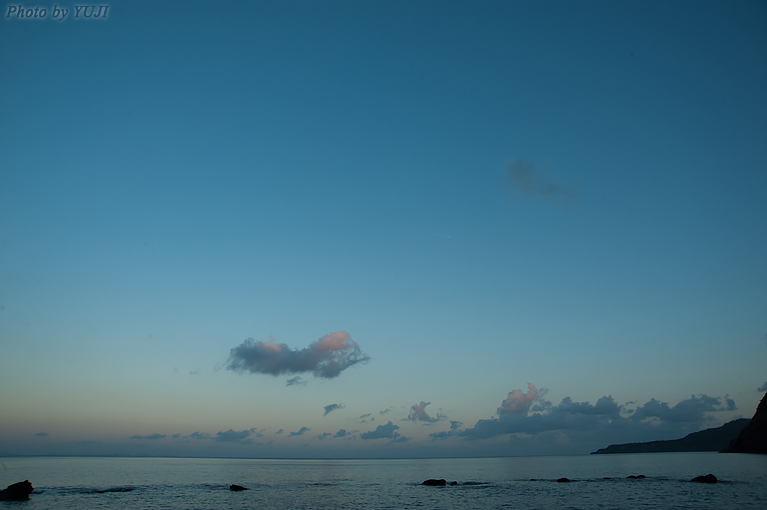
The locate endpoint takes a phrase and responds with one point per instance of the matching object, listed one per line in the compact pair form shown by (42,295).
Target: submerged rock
(563,479)
(636,476)
(237,488)
(17,491)
(434,482)
(709,478)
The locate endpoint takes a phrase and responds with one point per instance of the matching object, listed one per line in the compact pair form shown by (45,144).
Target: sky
(309,229)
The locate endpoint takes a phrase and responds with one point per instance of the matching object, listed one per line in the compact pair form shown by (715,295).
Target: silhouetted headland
(753,438)
(709,440)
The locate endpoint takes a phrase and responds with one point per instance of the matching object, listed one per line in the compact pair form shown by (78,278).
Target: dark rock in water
(17,492)
(636,476)
(709,478)
(438,483)
(237,488)
(753,438)
(563,479)
(453,483)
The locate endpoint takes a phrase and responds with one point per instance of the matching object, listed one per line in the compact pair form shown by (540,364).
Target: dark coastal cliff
(709,440)
(753,438)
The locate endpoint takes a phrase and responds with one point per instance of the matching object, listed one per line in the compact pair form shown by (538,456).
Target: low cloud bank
(151,436)
(530,415)
(691,410)
(327,357)
(233,436)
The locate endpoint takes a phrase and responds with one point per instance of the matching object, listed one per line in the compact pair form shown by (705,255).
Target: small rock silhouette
(17,491)
(709,478)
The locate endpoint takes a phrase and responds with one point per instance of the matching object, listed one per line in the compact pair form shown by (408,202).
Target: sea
(597,482)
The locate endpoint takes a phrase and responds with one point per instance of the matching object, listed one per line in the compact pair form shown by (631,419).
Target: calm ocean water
(175,484)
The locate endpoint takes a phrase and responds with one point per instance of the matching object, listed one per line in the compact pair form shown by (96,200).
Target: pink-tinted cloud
(518,402)
(327,357)
(418,413)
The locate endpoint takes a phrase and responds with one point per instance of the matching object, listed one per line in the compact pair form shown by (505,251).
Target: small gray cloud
(233,436)
(440,435)
(363,418)
(387,431)
(525,177)
(151,436)
(763,387)
(176,436)
(340,433)
(295,381)
(418,413)
(300,432)
(454,431)
(327,357)
(280,431)
(204,435)
(386,411)
(41,434)
(332,407)
(324,435)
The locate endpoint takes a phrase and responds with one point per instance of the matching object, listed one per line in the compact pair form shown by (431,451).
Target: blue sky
(416,208)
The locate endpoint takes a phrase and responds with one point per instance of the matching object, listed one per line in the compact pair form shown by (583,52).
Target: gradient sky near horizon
(380,229)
